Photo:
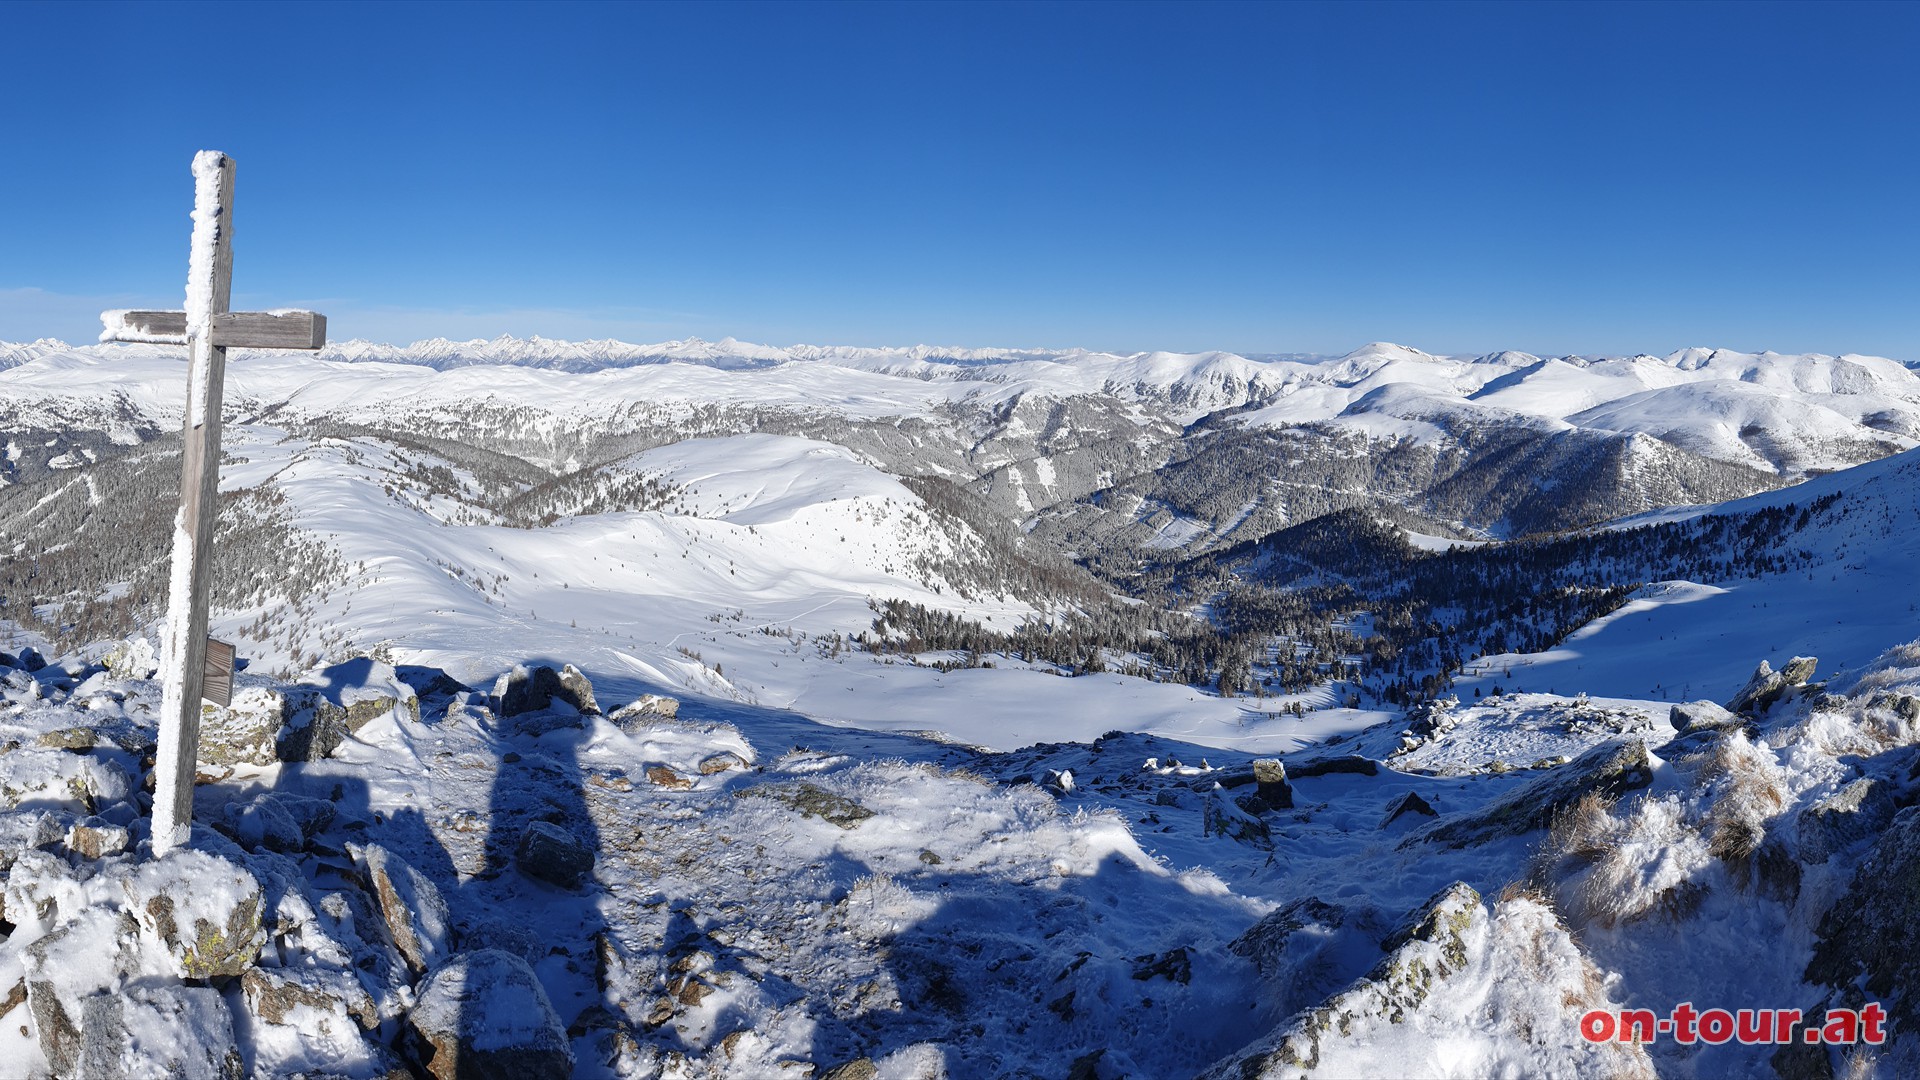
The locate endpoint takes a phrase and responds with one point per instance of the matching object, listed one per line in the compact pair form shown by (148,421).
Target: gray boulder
(551,854)
(337,702)
(484,1016)
(96,838)
(158,1029)
(1694,716)
(647,708)
(260,822)
(204,909)
(1408,803)
(1270,783)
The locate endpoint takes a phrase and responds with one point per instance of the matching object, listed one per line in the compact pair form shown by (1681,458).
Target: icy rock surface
(1701,716)
(416,917)
(484,1016)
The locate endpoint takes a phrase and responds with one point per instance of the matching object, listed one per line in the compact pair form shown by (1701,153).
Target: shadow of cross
(207,329)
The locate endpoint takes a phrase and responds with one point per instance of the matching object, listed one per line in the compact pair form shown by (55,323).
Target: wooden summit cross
(208,329)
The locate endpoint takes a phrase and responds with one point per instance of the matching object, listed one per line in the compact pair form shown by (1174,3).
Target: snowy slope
(748,587)
(1682,641)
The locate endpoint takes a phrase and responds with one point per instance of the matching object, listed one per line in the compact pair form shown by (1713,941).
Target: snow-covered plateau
(722,710)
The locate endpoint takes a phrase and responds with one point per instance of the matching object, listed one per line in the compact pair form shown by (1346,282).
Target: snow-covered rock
(204,909)
(1463,992)
(484,1016)
(1693,716)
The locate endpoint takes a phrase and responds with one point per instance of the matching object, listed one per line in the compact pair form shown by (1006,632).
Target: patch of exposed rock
(551,854)
(1610,769)
(528,690)
(1694,716)
(811,800)
(416,917)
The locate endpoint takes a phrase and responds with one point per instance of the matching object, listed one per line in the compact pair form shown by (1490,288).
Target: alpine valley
(711,709)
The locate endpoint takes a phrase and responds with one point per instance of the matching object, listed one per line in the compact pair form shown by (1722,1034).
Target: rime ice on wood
(207,328)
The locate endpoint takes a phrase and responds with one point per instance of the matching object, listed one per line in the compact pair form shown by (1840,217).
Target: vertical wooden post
(209,288)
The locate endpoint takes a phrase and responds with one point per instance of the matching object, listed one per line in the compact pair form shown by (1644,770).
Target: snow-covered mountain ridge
(1708,400)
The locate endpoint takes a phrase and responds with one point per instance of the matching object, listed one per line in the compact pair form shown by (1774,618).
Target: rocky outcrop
(484,1016)
(1222,816)
(1609,769)
(103,953)
(1309,949)
(245,731)
(525,690)
(1870,938)
(1767,686)
(1525,974)
(1352,764)
(1428,946)
(305,722)
(339,701)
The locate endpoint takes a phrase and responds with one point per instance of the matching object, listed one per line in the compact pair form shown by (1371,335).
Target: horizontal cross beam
(232,329)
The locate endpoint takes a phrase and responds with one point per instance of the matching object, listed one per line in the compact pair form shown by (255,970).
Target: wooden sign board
(216,685)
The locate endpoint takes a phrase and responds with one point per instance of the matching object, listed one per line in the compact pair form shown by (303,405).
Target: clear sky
(1264,178)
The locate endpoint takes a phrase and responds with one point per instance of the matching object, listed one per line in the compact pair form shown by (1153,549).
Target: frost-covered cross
(208,329)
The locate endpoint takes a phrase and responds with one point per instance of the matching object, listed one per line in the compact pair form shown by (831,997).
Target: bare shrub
(1896,669)
(1747,787)
(1602,868)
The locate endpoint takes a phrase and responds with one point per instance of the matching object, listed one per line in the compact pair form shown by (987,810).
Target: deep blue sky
(1556,178)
